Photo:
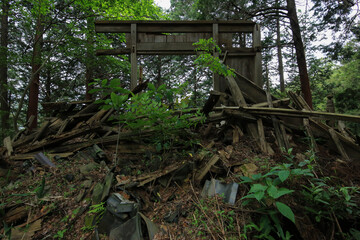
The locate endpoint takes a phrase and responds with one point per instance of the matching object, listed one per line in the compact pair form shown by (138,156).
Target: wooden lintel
(173,26)
(180,50)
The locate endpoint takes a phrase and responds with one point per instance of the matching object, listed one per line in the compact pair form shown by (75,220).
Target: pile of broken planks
(253,108)
(66,134)
(250,105)
(246,110)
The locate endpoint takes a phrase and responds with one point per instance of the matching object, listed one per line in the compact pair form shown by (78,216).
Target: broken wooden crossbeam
(211,102)
(236,92)
(275,103)
(296,113)
(57,139)
(101,140)
(338,144)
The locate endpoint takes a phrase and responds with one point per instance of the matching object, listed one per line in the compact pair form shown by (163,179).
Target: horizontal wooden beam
(298,113)
(166,49)
(174,26)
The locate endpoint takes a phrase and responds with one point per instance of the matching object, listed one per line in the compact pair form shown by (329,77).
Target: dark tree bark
(279,53)
(35,76)
(90,57)
(300,51)
(4,95)
(159,80)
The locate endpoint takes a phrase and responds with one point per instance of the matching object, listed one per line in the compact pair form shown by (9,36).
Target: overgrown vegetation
(161,110)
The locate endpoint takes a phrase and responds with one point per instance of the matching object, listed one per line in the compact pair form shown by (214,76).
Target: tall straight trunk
(90,57)
(279,53)
(300,51)
(159,80)
(48,85)
(35,76)
(4,95)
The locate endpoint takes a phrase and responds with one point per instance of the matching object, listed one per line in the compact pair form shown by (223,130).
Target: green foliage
(60,234)
(345,85)
(97,208)
(267,190)
(94,216)
(211,218)
(40,190)
(206,48)
(159,109)
(323,200)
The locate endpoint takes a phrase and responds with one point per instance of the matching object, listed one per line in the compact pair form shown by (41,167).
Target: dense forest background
(48,48)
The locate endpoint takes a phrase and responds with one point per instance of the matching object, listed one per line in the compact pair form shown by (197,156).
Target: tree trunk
(90,57)
(300,52)
(159,80)
(4,96)
(280,66)
(35,79)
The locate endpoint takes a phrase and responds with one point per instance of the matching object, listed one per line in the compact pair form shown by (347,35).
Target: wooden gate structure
(239,41)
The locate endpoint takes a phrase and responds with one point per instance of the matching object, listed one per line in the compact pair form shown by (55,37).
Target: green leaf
(285,211)
(259,195)
(246,179)
(258,187)
(151,86)
(284,174)
(115,83)
(256,176)
(272,191)
(283,191)
(114,99)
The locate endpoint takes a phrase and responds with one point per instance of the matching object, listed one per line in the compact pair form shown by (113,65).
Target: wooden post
(310,135)
(236,92)
(134,78)
(216,77)
(340,147)
(261,135)
(257,62)
(280,131)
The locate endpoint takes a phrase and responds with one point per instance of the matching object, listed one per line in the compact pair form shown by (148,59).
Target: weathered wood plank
(8,145)
(206,168)
(261,135)
(57,139)
(173,26)
(40,133)
(314,145)
(276,103)
(301,114)
(338,144)
(236,92)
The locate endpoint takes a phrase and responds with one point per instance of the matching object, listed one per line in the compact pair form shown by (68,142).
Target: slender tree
(279,54)
(300,51)
(90,56)
(4,99)
(35,76)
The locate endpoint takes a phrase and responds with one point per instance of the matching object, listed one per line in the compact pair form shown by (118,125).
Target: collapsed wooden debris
(253,112)
(89,134)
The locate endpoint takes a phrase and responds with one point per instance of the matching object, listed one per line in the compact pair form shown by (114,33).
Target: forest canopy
(48,50)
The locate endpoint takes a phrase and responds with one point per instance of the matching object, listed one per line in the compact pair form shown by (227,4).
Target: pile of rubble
(240,124)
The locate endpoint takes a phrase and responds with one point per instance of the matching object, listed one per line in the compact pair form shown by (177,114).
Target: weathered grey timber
(239,42)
